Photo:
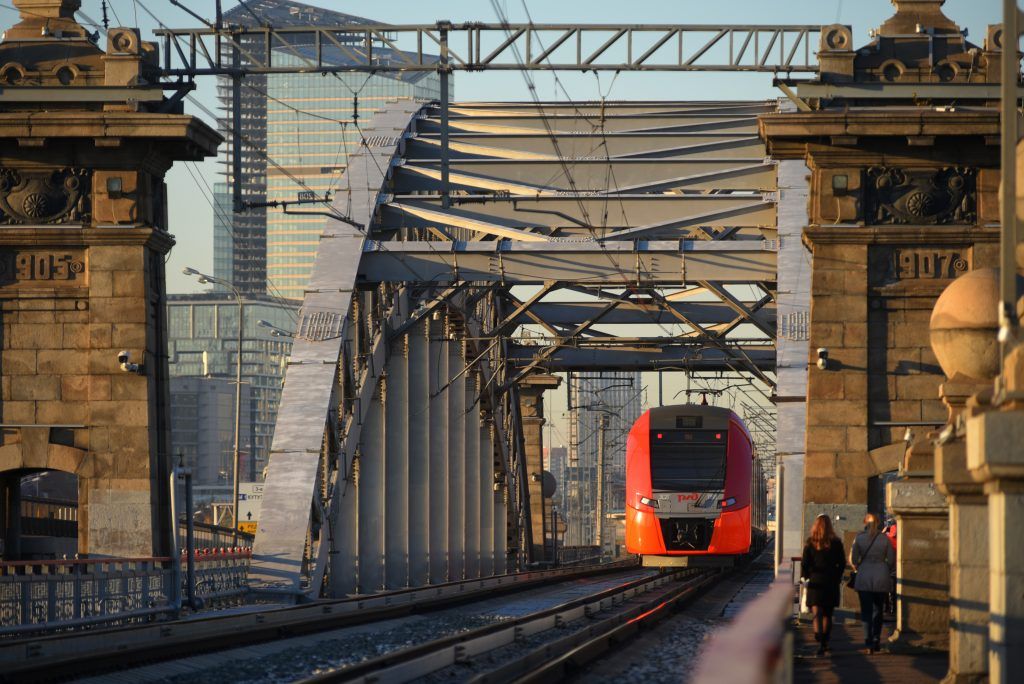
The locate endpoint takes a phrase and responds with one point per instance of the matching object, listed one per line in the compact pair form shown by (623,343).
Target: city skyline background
(191,185)
(191,218)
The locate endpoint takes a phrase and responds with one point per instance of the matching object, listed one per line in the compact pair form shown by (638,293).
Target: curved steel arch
(571,238)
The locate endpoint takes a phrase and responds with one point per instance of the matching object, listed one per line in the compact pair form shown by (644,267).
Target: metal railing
(42,596)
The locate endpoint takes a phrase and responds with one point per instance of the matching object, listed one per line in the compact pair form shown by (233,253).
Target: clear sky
(191,216)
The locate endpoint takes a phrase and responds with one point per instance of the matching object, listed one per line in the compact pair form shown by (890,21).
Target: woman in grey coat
(872,558)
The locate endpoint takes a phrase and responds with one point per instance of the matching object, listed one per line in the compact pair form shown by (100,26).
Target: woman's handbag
(852,582)
(804,608)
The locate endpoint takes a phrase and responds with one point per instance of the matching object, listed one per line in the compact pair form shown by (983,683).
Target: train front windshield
(688,460)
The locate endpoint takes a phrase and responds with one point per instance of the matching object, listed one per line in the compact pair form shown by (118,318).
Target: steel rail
(423,659)
(77,654)
(574,651)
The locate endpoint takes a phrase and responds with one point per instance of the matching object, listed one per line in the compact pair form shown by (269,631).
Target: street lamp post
(236,456)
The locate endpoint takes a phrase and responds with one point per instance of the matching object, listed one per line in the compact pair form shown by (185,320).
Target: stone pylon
(87,136)
(903,193)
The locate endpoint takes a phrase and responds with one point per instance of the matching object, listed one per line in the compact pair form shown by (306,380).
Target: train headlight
(653,503)
(727,502)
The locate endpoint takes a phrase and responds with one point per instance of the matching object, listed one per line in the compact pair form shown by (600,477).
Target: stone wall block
(857,440)
(855,335)
(129,284)
(75,336)
(829,439)
(855,386)
(19,411)
(62,412)
(128,386)
(101,283)
(36,317)
(74,388)
(837,413)
(117,310)
(63,362)
(820,464)
(120,412)
(18,362)
(99,388)
(825,335)
(828,281)
(99,335)
(837,308)
(129,335)
(918,386)
(35,388)
(116,258)
(825,385)
(30,336)
(824,490)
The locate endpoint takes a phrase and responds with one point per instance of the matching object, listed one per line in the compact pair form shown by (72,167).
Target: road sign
(247,527)
(250,498)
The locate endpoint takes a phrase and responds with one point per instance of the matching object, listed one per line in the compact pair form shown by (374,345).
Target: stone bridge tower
(901,138)
(86,136)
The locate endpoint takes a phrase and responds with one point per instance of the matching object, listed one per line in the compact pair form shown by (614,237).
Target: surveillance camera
(124,358)
(823,358)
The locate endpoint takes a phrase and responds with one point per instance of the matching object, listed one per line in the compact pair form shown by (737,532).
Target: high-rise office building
(202,433)
(604,407)
(203,344)
(297,132)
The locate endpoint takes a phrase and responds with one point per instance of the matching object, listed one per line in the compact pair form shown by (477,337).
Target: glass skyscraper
(297,131)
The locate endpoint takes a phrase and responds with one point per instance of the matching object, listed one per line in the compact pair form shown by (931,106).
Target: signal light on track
(659,435)
(718,435)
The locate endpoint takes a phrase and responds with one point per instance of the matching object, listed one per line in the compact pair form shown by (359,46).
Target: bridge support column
(995,457)
(487,521)
(922,554)
(420,477)
(456,394)
(968,545)
(531,403)
(372,494)
(472,476)
(396,465)
(439,441)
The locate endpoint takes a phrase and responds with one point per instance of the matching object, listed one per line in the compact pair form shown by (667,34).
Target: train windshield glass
(688,460)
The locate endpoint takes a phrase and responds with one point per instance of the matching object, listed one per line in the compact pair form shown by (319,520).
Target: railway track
(77,654)
(545,645)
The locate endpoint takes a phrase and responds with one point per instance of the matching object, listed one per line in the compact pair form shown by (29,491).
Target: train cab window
(688,460)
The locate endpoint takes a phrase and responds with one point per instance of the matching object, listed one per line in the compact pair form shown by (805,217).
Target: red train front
(693,487)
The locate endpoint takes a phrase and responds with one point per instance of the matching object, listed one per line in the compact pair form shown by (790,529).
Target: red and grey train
(693,486)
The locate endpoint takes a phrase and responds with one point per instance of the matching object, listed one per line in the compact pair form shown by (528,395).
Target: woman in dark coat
(822,566)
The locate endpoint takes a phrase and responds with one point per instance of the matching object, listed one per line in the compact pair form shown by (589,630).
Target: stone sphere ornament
(965,323)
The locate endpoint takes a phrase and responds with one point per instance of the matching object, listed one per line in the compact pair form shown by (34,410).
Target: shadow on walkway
(847,666)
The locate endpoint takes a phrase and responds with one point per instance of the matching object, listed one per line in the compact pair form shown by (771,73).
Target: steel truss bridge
(572,237)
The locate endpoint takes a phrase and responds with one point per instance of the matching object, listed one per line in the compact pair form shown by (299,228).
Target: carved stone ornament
(55,196)
(921,196)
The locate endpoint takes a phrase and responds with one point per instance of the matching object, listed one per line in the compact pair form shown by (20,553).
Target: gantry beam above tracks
(607,264)
(495,46)
(663,357)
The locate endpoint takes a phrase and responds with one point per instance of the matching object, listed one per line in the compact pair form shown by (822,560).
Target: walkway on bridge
(847,665)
